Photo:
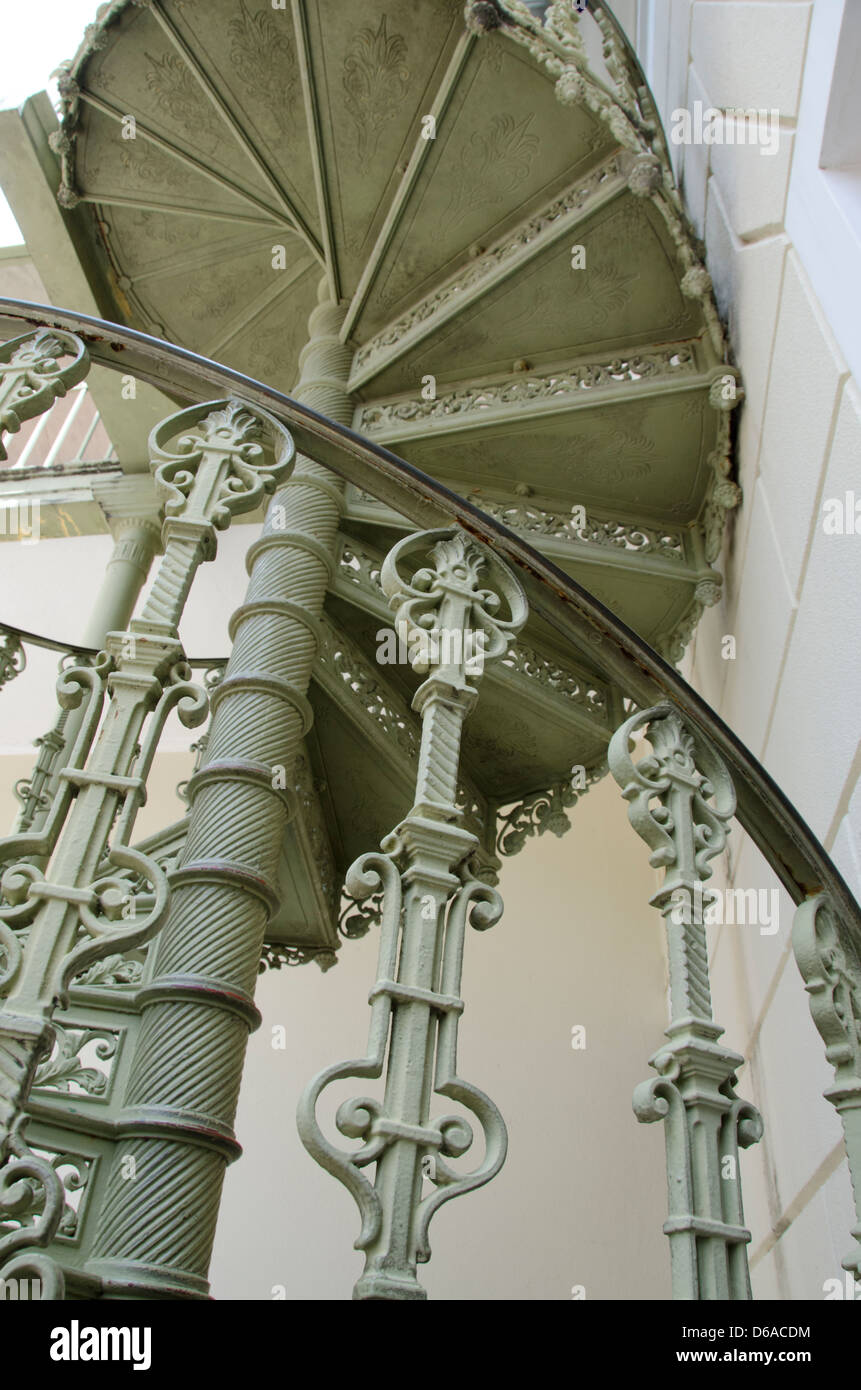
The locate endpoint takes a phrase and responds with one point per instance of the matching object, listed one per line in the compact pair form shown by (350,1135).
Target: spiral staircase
(511,331)
(527,317)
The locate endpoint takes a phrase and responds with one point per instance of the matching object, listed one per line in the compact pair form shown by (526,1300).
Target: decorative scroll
(573,201)
(278,953)
(215,460)
(426,894)
(521,391)
(69,1070)
(73,892)
(113,972)
(542,811)
(632,537)
(681,799)
(34,370)
(13,658)
(33,1198)
(359,915)
(72,1172)
(363,569)
(340,656)
(562,681)
(828,958)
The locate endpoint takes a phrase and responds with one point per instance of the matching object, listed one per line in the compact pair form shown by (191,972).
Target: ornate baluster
(681,800)
(13,658)
(33,374)
(32,792)
(429,893)
(830,964)
(210,461)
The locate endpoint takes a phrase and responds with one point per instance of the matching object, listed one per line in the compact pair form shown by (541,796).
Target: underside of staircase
(530,321)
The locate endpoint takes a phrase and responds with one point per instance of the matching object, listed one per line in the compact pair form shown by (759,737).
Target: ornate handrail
(773,823)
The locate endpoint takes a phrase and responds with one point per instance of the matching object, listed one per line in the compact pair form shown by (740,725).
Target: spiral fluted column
(157,1227)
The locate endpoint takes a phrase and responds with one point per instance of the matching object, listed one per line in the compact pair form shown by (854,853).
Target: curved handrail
(51,644)
(784,838)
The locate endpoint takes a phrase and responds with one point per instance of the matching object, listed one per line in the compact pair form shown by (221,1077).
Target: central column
(176,1128)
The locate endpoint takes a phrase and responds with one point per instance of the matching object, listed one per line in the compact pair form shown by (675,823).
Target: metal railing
(39,450)
(797,857)
(701,774)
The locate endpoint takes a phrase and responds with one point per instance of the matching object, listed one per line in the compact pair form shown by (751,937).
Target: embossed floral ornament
(645,177)
(376,80)
(497,158)
(678,760)
(571,87)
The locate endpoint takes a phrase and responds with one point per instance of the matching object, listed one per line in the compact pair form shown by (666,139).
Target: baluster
(829,959)
(429,893)
(210,462)
(681,798)
(34,372)
(32,792)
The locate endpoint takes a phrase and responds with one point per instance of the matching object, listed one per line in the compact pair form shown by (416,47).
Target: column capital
(130,504)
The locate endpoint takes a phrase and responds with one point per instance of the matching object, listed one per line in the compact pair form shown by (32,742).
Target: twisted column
(60,884)
(156,1231)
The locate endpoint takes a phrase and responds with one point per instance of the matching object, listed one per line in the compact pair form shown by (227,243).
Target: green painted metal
(578,620)
(126,571)
(456,599)
(710,1245)
(478,351)
(681,799)
(828,956)
(34,371)
(13,658)
(66,905)
(156,1238)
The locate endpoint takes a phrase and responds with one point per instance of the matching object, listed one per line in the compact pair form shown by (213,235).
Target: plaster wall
(782,239)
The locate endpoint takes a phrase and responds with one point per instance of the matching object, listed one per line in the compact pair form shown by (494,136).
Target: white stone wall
(783,250)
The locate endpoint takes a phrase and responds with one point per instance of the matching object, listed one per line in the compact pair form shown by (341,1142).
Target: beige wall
(793,594)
